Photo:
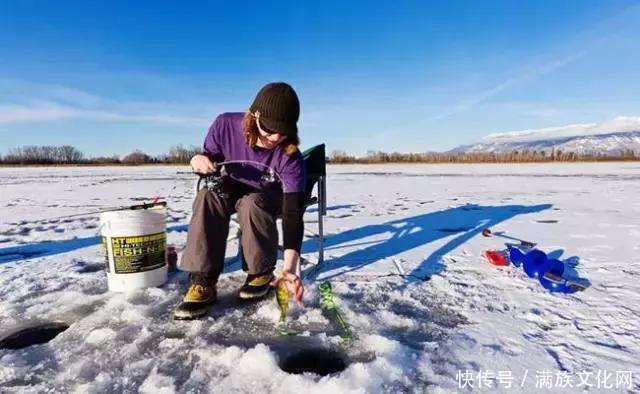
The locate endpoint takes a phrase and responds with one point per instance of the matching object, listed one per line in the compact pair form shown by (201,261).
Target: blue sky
(110,77)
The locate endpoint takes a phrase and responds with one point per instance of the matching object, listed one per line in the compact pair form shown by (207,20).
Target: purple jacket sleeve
(293,174)
(211,146)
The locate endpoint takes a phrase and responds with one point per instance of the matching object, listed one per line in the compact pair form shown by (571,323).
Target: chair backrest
(315,164)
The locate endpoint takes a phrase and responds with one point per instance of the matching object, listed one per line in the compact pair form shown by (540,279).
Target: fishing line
(112,209)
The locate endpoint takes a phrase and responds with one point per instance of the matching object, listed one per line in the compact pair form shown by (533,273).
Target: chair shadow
(462,223)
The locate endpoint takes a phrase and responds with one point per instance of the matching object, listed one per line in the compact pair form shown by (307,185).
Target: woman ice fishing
(267,134)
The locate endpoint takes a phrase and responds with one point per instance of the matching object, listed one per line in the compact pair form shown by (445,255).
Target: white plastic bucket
(135,242)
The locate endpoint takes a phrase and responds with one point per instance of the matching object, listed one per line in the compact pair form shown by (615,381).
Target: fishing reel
(213,182)
(269,176)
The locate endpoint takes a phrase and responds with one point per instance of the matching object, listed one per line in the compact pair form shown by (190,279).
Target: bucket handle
(99,229)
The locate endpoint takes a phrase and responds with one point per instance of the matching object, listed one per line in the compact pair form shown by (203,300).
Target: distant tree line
(516,156)
(179,154)
(44,155)
(55,155)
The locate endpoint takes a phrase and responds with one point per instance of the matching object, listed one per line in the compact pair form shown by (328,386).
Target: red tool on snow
(497,257)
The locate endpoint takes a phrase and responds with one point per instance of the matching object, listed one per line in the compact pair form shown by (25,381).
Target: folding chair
(316,170)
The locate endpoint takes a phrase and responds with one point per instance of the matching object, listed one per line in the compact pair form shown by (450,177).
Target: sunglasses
(265,130)
(262,128)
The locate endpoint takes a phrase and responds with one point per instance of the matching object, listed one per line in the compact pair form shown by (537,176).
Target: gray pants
(209,228)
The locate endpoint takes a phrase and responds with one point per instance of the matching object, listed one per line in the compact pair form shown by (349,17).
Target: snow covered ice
(403,254)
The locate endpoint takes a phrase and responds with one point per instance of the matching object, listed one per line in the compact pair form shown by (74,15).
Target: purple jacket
(226,141)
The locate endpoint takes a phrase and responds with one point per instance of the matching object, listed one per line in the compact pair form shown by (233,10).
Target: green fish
(282,296)
(329,305)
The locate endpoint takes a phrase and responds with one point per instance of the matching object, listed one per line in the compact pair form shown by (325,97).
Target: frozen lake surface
(403,253)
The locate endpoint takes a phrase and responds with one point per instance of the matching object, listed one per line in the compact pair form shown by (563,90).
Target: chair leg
(320,238)
(323,200)
(321,212)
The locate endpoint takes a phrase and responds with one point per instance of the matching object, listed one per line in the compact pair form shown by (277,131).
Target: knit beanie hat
(279,108)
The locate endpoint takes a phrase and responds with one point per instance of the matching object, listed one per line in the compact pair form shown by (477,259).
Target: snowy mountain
(609,138)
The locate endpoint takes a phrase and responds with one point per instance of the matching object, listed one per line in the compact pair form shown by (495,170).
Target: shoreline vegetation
(66,155)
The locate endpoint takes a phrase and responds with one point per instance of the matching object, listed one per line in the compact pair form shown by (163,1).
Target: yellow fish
(282,296)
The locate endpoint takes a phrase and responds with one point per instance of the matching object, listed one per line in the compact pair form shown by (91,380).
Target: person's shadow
(462,223)
(50,248)
(400,235)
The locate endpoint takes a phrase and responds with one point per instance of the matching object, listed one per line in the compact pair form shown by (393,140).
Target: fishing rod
(221,165)
(271,177)
(113,209)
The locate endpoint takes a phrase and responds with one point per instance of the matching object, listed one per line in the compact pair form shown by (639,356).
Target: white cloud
(27,102)
(51,112)
(619,124)
(521,78)
(598,35)
(14,89)
(19,113)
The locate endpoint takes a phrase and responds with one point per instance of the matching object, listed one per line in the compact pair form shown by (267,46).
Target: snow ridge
(608,144)
(609,138)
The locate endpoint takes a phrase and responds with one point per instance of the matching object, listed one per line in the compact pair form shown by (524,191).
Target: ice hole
(319,361)
(35,335)
(89,268)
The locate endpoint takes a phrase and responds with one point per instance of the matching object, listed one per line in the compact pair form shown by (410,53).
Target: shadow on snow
(49,248)
(462,223)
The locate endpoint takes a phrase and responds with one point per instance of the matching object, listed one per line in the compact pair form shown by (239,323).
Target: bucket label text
(139,253)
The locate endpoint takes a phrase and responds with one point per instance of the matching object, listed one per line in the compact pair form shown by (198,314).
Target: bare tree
(69,154)
(340,156)
(44,155)
(105,160)
(182,155)
(137,157)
